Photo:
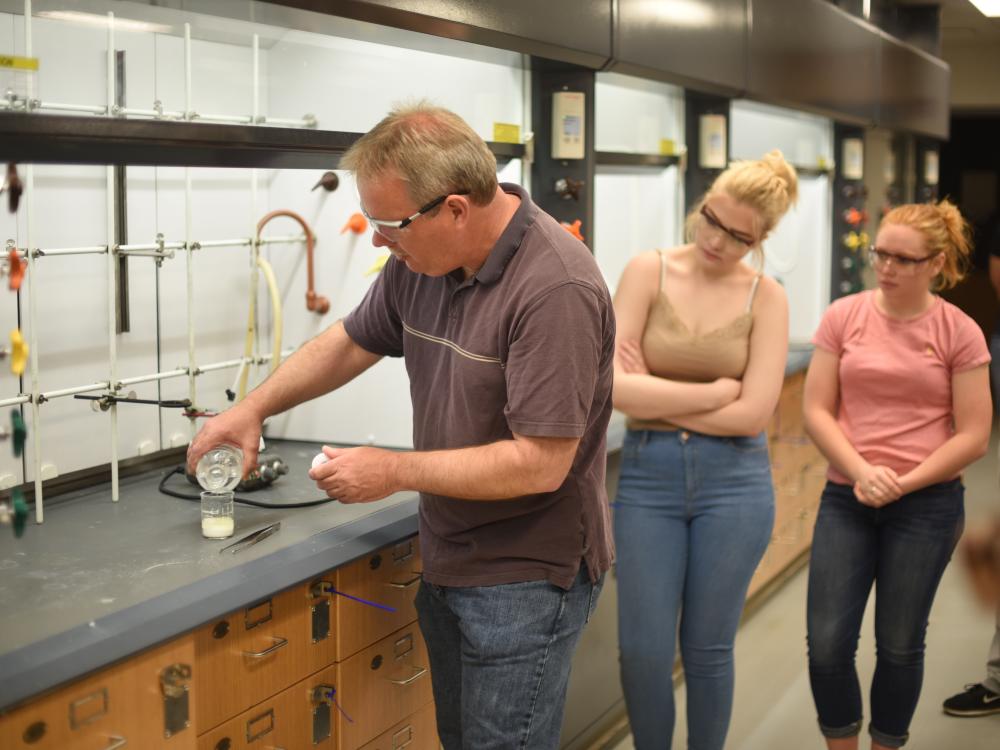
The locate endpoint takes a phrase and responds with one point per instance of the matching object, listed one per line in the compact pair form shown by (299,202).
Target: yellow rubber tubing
(277,325)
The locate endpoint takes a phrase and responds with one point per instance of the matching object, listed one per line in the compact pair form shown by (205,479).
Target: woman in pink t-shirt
(898,400)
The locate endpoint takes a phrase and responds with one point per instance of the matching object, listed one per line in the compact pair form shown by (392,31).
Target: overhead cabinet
(812,55)
(572,31)
(914,89)
(698,45)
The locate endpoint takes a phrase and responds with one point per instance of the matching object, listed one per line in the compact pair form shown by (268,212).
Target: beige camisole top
(671,351)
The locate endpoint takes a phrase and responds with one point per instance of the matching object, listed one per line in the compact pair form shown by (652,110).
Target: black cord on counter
(236,499)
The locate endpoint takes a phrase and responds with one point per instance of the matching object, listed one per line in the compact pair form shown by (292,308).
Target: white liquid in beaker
(217,528)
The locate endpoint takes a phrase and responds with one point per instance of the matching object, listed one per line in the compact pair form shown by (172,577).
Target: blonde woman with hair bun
(898,400)
(699,364)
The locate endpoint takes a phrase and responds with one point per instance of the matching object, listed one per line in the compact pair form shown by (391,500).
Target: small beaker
(217,520)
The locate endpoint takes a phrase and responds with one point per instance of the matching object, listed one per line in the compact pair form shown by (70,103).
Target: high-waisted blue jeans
(693,517)
(902,548)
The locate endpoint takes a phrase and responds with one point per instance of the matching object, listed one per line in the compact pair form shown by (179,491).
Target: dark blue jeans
(902,548)
(693,517)
(500,659)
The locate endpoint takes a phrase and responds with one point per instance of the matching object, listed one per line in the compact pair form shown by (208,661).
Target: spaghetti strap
(663,269)
(753,293)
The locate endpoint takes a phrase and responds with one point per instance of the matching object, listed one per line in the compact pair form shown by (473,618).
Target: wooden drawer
(390,577)
(297,718)
(381,685)
(417,732)
(787,420)
(122,706)
(252,654)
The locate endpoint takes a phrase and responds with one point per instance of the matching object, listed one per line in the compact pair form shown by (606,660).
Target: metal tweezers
(251,539)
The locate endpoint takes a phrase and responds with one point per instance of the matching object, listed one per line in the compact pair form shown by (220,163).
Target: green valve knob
(20,512)
(19,430)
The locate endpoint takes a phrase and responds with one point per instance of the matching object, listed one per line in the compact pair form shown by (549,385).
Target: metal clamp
(278,643)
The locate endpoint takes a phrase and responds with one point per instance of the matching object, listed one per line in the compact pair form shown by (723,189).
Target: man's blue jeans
(693,517)
(903,548)
(500,659)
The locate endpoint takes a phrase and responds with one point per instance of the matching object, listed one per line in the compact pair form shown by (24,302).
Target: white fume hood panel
(636,208)
(635,211)
(805,139)
(797,254)
(344,83)
(635,115)
(798,251)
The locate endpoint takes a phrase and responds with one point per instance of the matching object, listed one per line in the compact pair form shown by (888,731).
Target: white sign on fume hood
(712,141)
(853,159)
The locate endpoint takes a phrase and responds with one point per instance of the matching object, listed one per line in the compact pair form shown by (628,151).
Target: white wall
(348,84)
(975,73)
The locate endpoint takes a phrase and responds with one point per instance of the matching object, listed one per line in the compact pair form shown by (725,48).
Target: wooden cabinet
(255,653)
(282,672)
(144,702)
(799,473)
(388,577)
(416,732)
(304,715)
(382,684)
(251,654)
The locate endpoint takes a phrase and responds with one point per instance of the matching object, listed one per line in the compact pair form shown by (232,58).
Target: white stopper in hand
(320,458)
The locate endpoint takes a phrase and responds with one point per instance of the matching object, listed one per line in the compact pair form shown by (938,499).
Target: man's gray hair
(432,149)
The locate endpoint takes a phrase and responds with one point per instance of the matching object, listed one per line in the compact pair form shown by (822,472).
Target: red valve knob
(15,270)
(573,229)
(357,224)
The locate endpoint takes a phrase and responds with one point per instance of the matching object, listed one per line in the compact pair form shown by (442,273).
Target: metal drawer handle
(116,742)
(278,643)
(420,672)
(404,584)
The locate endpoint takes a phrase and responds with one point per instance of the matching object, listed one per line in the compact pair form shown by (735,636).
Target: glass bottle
(220,469)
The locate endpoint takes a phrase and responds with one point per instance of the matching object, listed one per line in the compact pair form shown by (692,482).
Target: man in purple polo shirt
(507,331)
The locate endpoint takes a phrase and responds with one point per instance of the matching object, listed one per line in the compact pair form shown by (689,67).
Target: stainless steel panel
(701,45)
(914,89)
(812,55)
(575,31)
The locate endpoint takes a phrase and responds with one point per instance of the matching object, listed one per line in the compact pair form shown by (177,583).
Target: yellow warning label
(505,132)
(667,147)
(18,63)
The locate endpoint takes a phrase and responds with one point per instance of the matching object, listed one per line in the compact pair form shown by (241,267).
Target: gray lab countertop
(99,581)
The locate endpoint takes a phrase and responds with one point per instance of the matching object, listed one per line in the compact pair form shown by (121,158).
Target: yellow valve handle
(18,353)
(378,265)
(852,240)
